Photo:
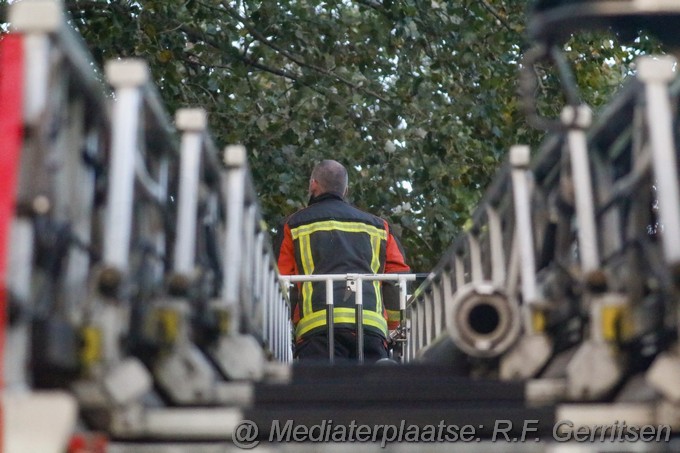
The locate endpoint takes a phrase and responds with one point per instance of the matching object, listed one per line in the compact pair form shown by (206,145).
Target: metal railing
(138,265)
(572,259)
(354,284)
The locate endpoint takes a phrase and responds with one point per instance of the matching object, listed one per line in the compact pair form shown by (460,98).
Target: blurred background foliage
(417,98)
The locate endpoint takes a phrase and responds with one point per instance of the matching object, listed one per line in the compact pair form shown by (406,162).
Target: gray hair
(331,176)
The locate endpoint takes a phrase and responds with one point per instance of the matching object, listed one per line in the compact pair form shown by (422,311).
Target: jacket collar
(324,197)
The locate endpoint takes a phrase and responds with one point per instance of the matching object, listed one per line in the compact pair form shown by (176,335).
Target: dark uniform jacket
(332,237)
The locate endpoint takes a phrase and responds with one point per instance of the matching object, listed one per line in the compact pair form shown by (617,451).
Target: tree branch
(295,59)
(199,35)
(495,14)
(377,6)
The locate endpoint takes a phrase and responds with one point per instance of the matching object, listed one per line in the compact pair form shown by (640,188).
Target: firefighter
(330,236)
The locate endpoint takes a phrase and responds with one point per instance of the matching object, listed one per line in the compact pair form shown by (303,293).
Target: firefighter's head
(328,176)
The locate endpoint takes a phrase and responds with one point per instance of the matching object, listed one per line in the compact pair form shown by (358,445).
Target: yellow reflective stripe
(341,315)
(375,267)
(378,297)
(349,227)
(307,269)
(393,315)
(375,259)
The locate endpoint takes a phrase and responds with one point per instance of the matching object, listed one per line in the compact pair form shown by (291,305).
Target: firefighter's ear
(313,187)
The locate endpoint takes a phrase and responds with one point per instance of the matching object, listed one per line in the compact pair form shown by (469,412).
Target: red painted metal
(11,138)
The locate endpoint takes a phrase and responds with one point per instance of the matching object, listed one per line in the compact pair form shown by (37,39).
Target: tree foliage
(418,98)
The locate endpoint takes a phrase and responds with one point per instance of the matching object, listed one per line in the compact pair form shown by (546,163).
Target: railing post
(519,158)
(402,302)
(360,319)
(234,193)
(127,77)
(459,270)
(35,20)
(330,320)
(192,123)
(498,273)
(578,119)
(527,355)
(264,293)
(656,73)
(285,281)
(277,343)
(246,277)
(477,273)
